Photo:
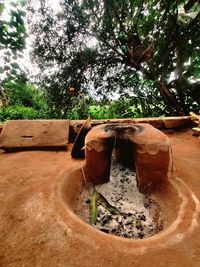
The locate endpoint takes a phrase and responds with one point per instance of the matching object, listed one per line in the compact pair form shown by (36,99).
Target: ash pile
(118,208)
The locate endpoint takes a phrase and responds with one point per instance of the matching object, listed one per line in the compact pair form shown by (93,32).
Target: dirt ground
(37,230)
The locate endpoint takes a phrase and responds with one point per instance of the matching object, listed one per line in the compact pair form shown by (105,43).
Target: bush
(81,107)
(26,102)
(18,113)
(27,113)
(120,108)
(25,94)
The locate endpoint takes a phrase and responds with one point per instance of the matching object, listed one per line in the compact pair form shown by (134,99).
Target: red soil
(37,230)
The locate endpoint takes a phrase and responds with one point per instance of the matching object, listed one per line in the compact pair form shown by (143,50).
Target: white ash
(121,191)
(139,215)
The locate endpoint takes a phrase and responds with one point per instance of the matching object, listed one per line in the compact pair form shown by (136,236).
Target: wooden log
(195,118)
(196,131)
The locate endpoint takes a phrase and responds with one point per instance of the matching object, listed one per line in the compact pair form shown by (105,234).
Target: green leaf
(13,4)
(93,207)
(122,34)
(22,2)
(21,28)
(1,8)
(124,48)
(107,205)
(7,67)
(15,65)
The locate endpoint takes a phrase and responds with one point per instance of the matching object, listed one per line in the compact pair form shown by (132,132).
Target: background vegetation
(106,58)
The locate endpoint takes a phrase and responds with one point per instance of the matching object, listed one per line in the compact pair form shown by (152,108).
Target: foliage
(79,108)
(108,109)
(12,37)
(12,42)
(28,113)
(25,94)
(113,45)
(115,109)
(20,113)
(25,101)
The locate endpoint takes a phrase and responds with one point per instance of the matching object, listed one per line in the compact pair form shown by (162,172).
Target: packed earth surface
(37,229)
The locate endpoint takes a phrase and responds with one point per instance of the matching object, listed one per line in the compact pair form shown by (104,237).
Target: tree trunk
(179,81)
(4,97)
(169,97)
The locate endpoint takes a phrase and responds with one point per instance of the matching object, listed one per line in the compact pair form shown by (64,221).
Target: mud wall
(162,123)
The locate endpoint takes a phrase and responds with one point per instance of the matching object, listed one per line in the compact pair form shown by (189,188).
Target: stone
(34,133)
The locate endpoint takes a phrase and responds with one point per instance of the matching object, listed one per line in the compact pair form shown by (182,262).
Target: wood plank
(35,133)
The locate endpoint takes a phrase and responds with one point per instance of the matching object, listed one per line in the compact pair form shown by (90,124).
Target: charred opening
(123,153)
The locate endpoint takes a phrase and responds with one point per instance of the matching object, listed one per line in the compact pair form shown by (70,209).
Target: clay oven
(141,146)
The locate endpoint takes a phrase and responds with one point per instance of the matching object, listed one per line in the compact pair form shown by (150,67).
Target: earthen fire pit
(143,159)
(39,192)
(141,146)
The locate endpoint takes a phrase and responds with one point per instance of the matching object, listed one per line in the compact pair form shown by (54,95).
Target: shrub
(25,94)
